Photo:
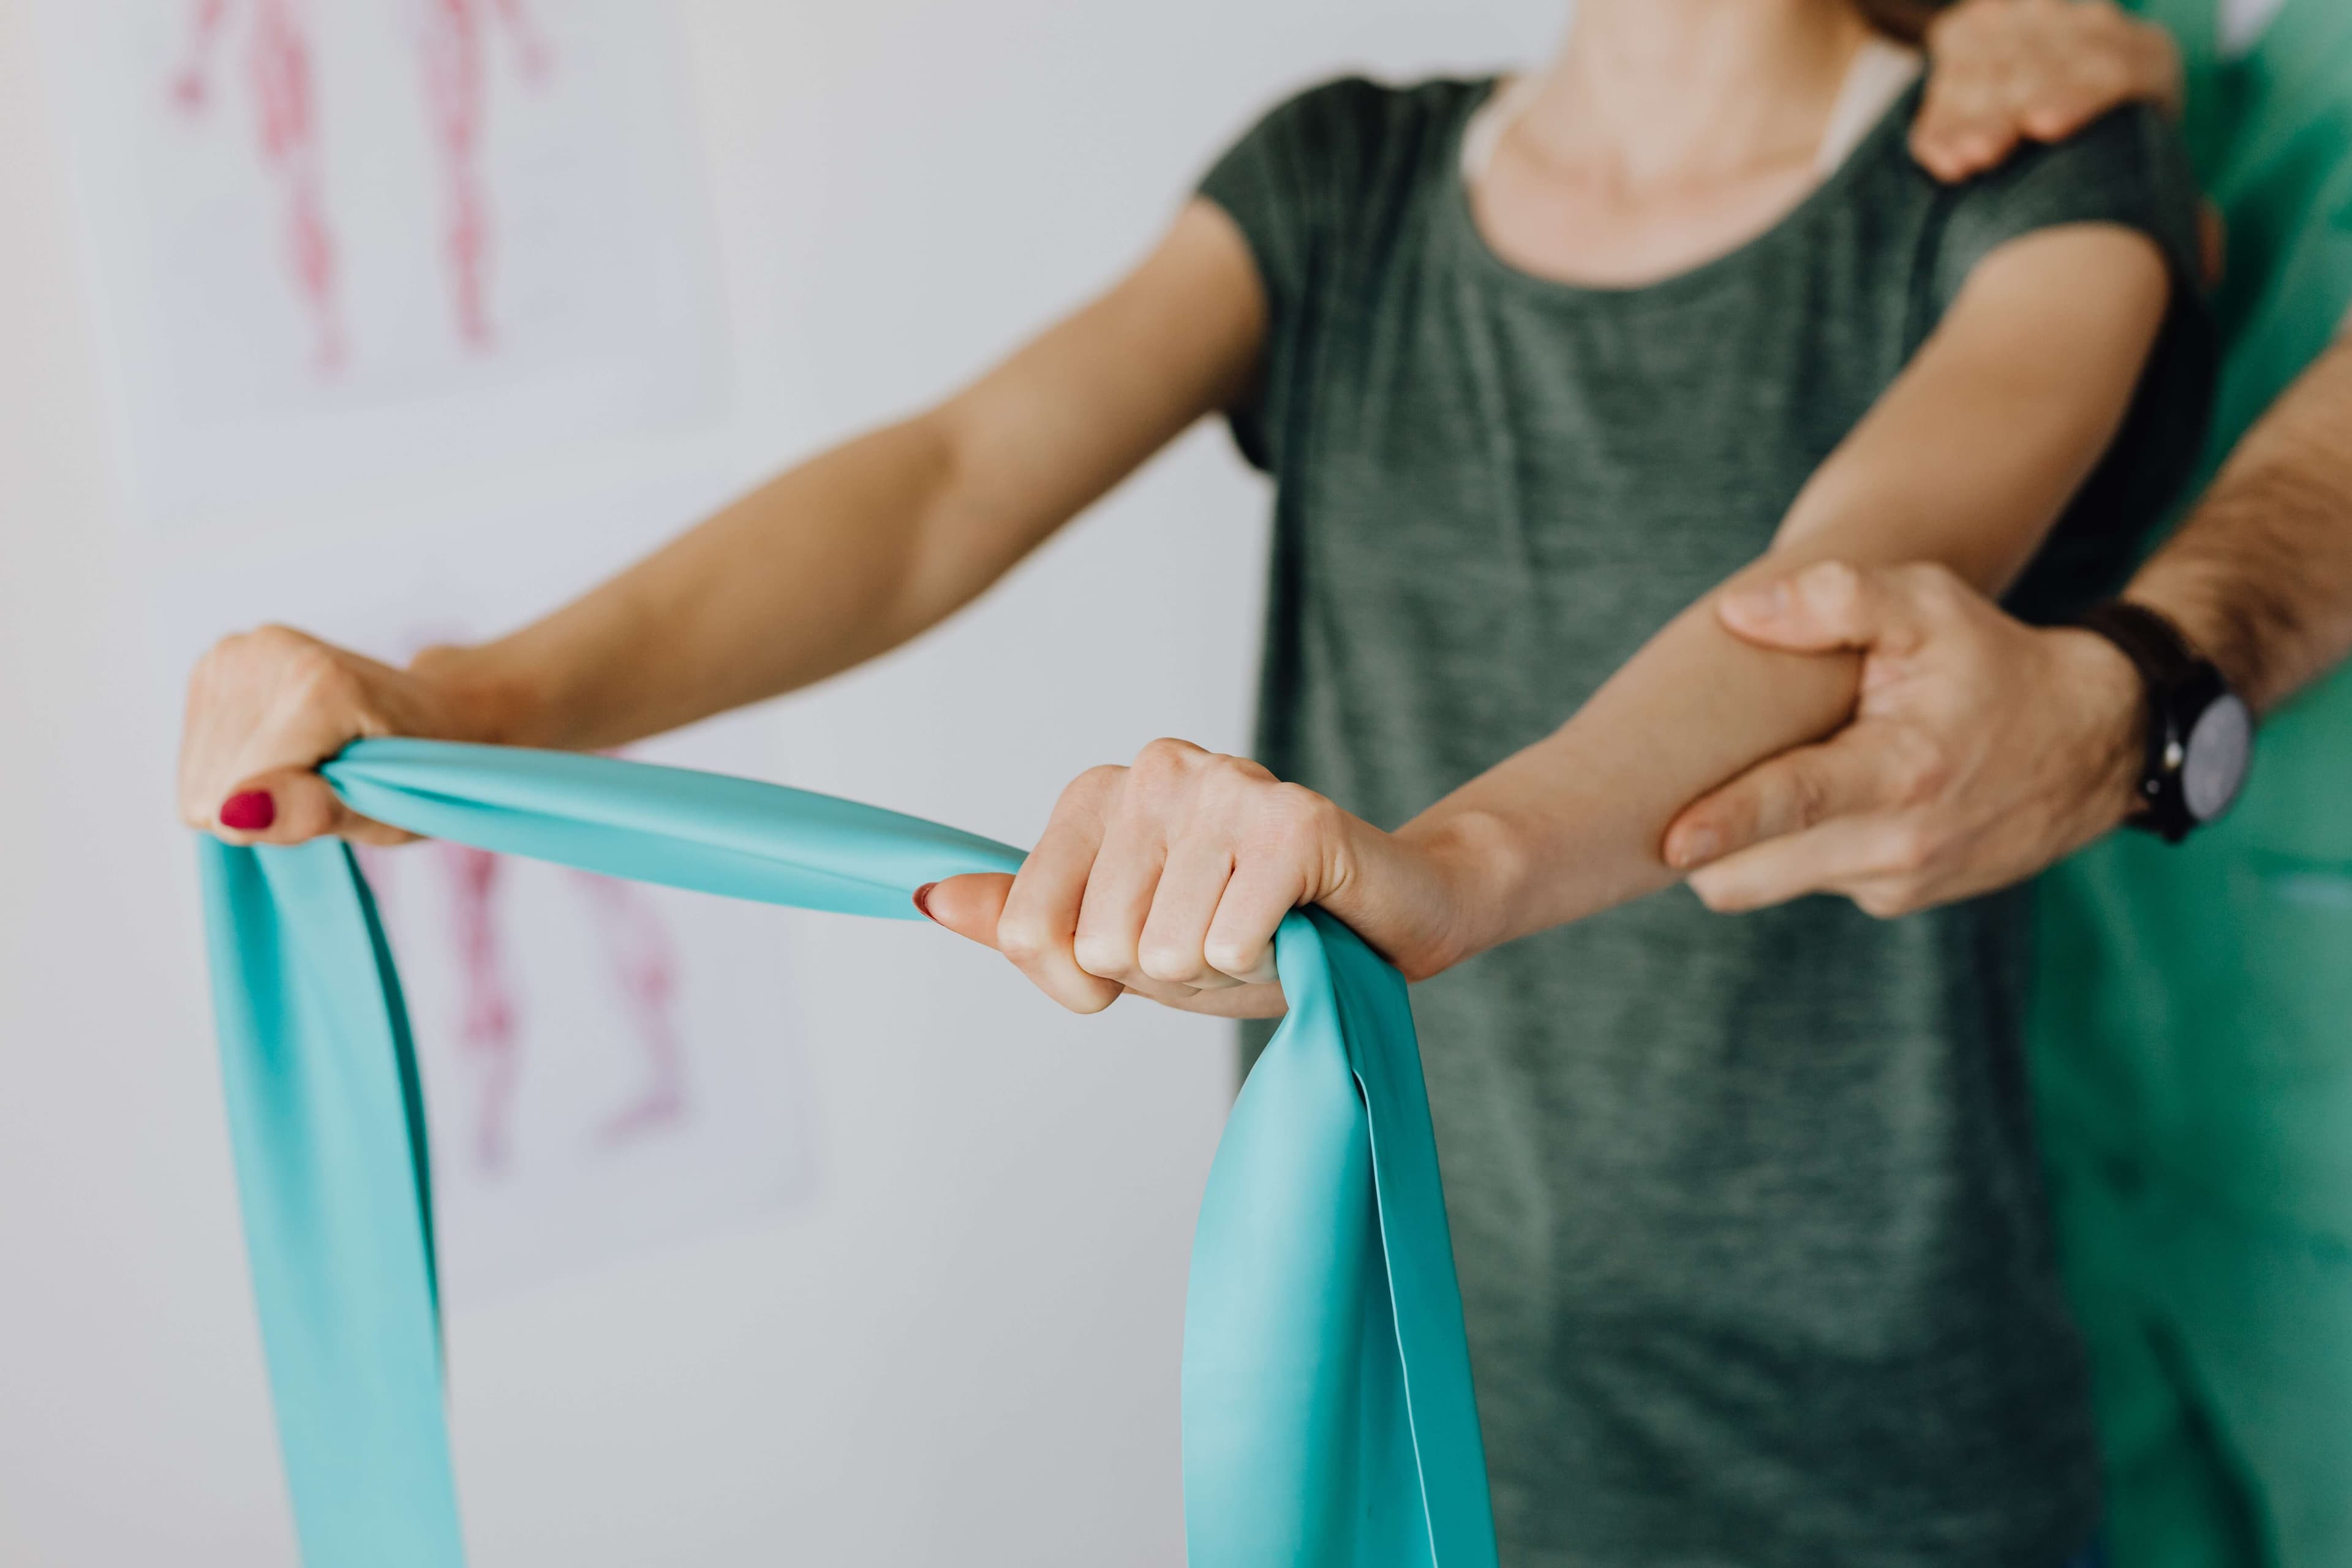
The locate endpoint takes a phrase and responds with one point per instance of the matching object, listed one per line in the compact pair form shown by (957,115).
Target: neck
(1656,91)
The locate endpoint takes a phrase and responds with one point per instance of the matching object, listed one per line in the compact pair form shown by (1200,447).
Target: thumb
(1796,790)
(968,906)
(1823,607)
(284,806)
(293,805)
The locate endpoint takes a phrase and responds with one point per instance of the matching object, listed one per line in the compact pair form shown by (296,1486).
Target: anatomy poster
(373,278)
(609,1068)
(336,241)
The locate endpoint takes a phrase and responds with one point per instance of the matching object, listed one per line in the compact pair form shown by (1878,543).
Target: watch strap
(2150,639)
(2171,673)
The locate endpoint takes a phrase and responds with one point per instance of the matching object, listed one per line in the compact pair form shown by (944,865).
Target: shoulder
(1340,139)
(1354,111)
(2132,152)
(2129,168)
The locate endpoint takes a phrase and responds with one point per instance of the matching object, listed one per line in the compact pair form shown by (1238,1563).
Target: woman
(1744,1210)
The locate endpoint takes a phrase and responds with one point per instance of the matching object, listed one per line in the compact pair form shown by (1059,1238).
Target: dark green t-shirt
(1746,1209)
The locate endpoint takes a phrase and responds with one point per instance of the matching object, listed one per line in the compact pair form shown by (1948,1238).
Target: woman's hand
(1168,877)
(267,707)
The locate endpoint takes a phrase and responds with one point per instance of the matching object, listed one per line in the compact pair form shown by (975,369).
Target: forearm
(1574,824)
(858,550)
(804,576)
(2259,577)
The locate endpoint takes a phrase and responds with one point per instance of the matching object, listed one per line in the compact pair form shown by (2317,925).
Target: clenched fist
(267,707)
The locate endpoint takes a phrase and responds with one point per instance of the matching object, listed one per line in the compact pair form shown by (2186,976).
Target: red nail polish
(251,812)
(923,899)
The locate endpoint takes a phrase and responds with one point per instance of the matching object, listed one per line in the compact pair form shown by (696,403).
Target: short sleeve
(1286,184)
(2128,169)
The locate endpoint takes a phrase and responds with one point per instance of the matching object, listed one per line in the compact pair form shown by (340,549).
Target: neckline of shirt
(1881,84)
(1881,72)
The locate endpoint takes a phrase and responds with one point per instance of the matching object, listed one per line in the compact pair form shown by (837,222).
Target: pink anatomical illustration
(281,80)
(640,962)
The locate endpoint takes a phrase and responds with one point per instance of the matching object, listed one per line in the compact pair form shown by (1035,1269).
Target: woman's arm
(1968,461)
(1169,877)
(837,560)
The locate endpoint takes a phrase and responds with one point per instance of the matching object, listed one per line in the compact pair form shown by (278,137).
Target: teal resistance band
(1328,1419)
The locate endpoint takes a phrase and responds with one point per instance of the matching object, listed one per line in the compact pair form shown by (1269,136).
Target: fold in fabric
(1328,1414)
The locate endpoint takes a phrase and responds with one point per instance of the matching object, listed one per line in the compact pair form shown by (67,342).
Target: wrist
(2112,706)
(1477,863)
(480,696)
(2194,600)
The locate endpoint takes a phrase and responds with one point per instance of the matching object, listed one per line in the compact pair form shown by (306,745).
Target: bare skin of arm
(1984,750)
(831,563)
(2260,577)
(1168,877)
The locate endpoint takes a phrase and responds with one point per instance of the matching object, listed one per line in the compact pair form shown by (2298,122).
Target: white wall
(965,1350)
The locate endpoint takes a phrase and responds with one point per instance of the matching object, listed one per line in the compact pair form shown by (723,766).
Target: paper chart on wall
(337,243)
(369,272)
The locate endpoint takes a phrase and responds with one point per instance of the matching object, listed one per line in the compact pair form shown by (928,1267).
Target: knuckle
(1166,755)
(1925,774)
(271,636)
(1717,899)
(1239,770)
(1088,1002)
(1023,940)
(1097,784)
(1169,963)
(1911,850)
(1809,797)
(1892,898)
(1101,955)
(319,673)
(1230,957)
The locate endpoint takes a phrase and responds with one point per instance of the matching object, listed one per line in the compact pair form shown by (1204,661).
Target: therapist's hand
(1980,750)
(2003,72)
(267,707)
(1168,879)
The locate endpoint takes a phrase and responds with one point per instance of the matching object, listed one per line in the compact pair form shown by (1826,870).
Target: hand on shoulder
(2004,72)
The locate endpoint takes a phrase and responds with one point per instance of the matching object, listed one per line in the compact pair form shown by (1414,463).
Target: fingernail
(250,812)
(1695,847)
(923,899)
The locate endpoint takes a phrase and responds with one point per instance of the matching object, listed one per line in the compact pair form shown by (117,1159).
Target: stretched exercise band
(1328,1418)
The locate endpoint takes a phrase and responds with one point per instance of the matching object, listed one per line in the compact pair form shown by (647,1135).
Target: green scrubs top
(2193,1042)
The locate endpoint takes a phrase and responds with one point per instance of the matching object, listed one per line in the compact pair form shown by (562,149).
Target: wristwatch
(2199,732)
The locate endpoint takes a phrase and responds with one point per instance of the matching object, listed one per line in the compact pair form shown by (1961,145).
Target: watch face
(2219,744)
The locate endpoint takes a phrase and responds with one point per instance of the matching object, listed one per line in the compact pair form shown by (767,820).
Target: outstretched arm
(1169,877)
(1984,750)
(835,561)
